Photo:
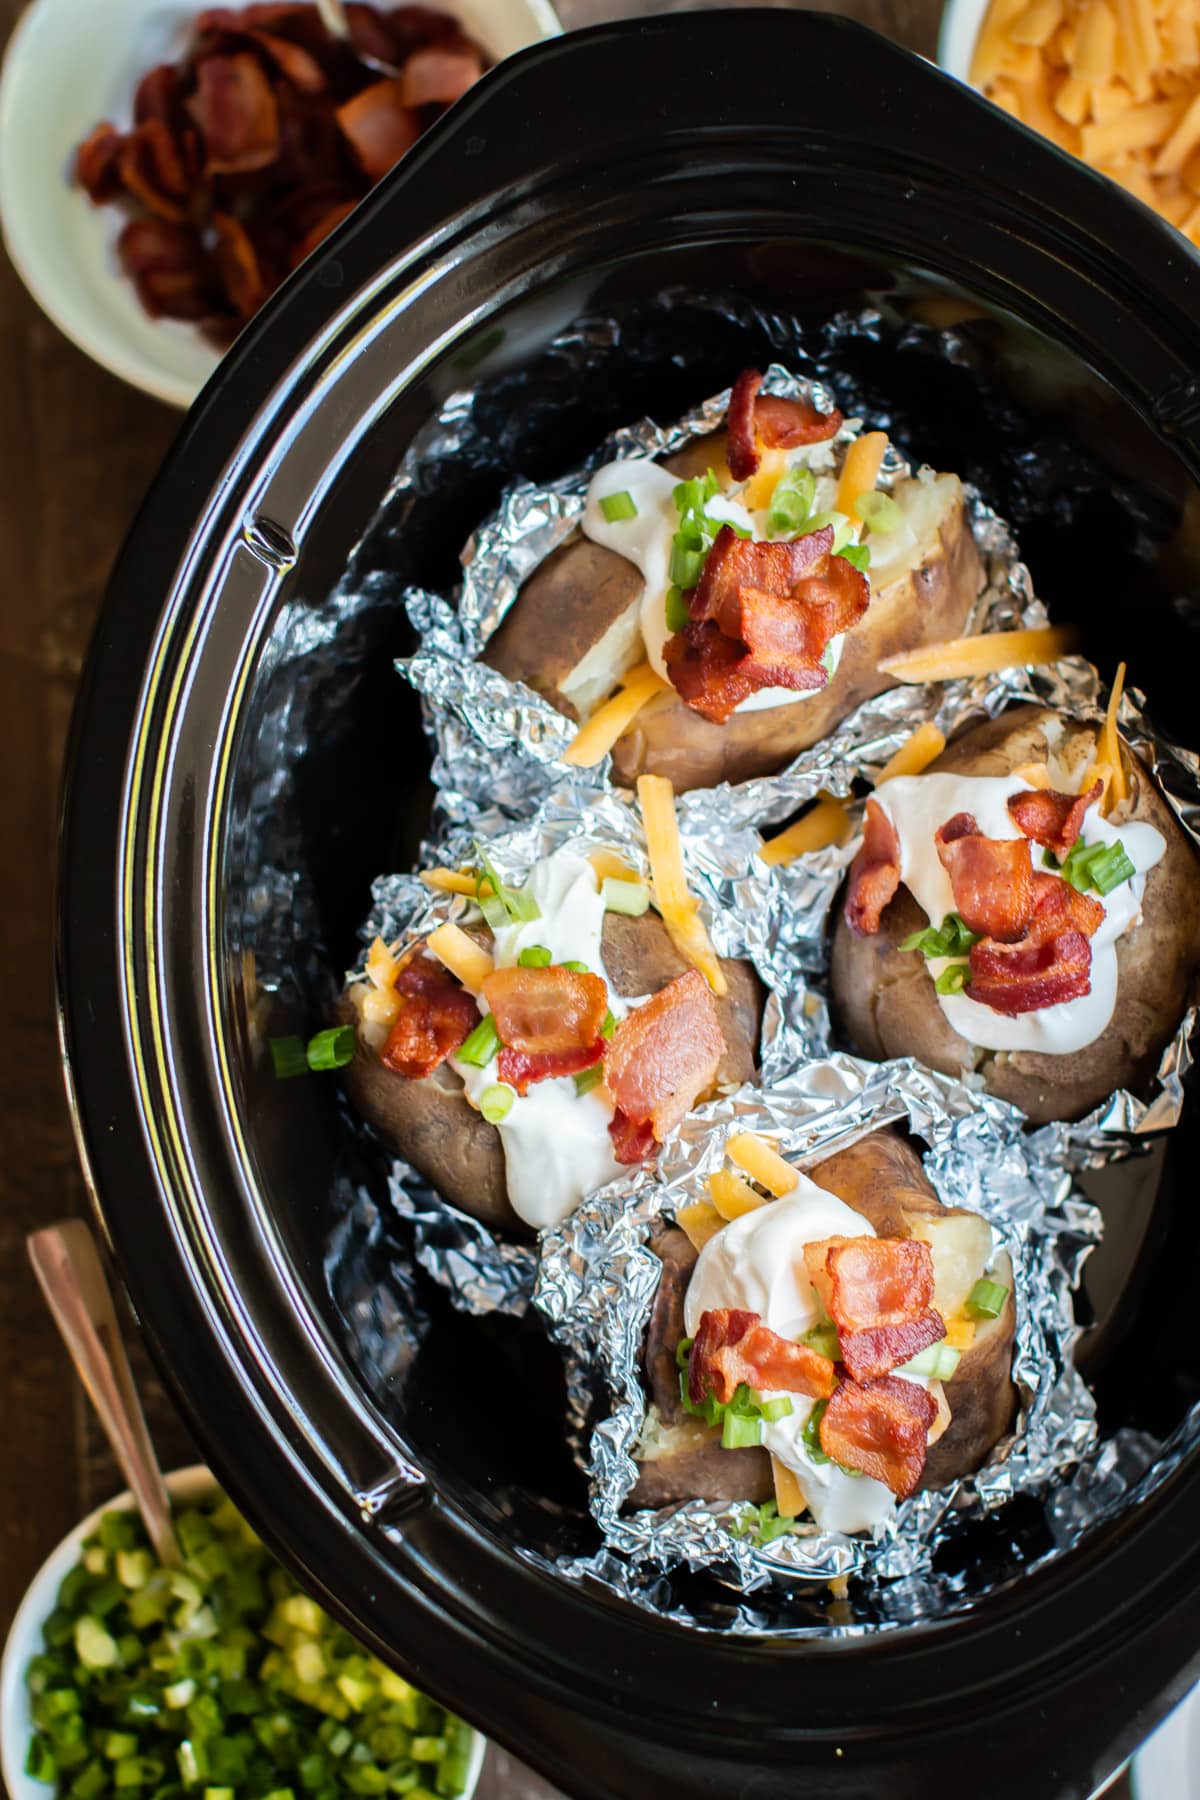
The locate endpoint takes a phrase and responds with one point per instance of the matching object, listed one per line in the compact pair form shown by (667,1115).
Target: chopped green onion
(629,897)
(95,1560)
(879,512)
(938,1363)
(118,1744)
(535,956)
(951,938)
(39,1761)
(618,507)
(679,615)
(858,556)
(95,1648)
(608,1024)
(495,1103)
(331,1049)
(770,1525)
(824,1340)
(685,567)
(739,1432)
(134,1568)
(791,503)
(953,978)
(1111,868)
(580,968)
(180,1693)
(287,1054)
(693,496)
(986,1299)
(479,1047)
(810,1436)
(771,1410)
(683,1350)
(519,906)
(587,1079)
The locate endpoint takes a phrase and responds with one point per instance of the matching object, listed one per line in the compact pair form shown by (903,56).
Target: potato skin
(433,1126)
(582,589)
(881,1177)
(884,1001)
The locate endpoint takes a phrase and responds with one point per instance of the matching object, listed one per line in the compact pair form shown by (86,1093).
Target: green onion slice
(503,904)
(629,897)
(879,512)
(810,1437)
(579,968)
(739,1432)
(824,1340)
(587,1079)
(938,1363)
(953,978)
(951,938)
(331,1049)
(770,1410)
(986,1299)
(791,503)
(618,507)
(683,1351)
(858,556)
(1100,866)
(685,566)
(495,1103)
(287,1054)
(481,1045)
(608,1024)
(535,956)
(678,615)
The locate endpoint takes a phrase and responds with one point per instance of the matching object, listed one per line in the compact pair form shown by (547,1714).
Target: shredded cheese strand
(789,1495)
(679,908)
(983,655)
(1110,741)
(915,754)
(455,881)
(860,472)
(762,1162)
(731,1195)
(700,1221)
(466,959)
(826,823)
(593,741)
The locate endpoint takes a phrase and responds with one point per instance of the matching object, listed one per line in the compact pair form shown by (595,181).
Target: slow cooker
(798,165)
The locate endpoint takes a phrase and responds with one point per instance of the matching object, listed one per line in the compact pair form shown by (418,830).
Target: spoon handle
(68,1267)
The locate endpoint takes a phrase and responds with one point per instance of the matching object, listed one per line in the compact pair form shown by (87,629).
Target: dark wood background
(77,451)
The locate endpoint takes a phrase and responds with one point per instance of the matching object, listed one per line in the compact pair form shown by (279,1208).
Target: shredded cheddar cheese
(826,823)
(466,959)
(789,1495)
(960,1333)
(593,741)
(455,881)
(983,655)
(680,910)
(915,754)
(762,484)
(609,866)
(731,1195)
(860,472)
(1036,774)
(700,1221)
(762,1163)
(1109,746)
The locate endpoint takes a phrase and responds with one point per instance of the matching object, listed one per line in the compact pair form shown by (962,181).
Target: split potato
(880,1177)
(884,1001)
(431,1123)
(573,631)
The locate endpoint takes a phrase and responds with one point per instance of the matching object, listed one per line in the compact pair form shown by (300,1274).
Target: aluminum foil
(499,745)
(597,1280)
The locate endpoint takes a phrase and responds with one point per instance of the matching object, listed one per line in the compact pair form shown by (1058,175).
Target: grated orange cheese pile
(1115,82)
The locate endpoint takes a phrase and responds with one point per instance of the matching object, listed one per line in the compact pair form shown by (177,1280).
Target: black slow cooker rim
(172,1271)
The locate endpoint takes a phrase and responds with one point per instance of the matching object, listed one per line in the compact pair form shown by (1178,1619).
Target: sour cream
(646,541)
(917,806)
(756,1264)
(556,1142)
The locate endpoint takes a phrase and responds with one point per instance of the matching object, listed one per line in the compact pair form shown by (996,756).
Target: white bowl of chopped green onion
(122,1680)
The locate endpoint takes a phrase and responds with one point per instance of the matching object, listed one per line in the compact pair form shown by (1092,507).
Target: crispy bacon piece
(440,74)
(665,1054)
(1058,907)
(167,264)
(763,615)
(159,96)
(732,1347)
(780,423)
(879,1293)
(237,265)
(153,171)
(631,1143)
(435,1017)
(543,1011)
(1053,960)
(97,164)
(378,127)
(520,1070)
(881,1428)
(992,878)
(1050,818)
(874,873)
(235,109)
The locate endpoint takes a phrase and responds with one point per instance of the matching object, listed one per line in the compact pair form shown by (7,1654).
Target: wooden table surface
(77,451)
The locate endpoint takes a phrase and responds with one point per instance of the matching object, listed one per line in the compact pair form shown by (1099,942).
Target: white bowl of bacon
(150,212)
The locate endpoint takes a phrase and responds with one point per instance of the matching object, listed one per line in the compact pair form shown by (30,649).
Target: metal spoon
(333,17)
(68,1267)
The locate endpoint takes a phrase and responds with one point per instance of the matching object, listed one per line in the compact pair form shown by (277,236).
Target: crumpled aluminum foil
(499,745)
(597,1279)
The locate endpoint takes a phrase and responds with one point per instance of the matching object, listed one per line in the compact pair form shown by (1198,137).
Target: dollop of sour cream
(756,1264)
(646,541)
(556,1142)
(918,805)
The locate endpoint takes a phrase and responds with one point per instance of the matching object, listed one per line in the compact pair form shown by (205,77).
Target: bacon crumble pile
(661,1057)
(764,614)
(243,157)
(1034,928)
(878,1292)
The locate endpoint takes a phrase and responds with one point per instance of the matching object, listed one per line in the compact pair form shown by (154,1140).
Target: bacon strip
(879,1293)
(664,1055)
(1050,818)
(733,1347)
(166,262)
(152,170)
(234,106)
(544,1011)
(631,1143)
(992,878)
(237,265)
(874,873)
(435,1017)
(378,127)
(97,164)
(881,1428)
(520,1070)
(763,615)
(440,74)
(780,423)
(1052,962)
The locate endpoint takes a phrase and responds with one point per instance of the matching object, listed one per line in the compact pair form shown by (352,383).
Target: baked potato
(884,999)
(530,1163)
(576,628)
(881,1179)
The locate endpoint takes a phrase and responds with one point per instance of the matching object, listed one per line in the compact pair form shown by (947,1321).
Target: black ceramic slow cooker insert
(791,163)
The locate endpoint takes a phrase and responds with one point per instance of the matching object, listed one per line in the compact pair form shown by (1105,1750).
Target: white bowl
(25,1640)
(71,63)
(962,21)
